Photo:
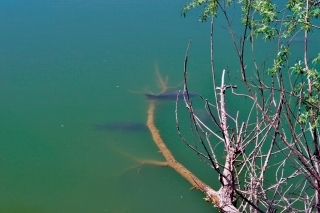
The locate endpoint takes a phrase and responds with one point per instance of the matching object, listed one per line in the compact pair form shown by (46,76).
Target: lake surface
(68,66)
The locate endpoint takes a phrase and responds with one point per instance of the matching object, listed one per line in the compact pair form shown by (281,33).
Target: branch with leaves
(272,149)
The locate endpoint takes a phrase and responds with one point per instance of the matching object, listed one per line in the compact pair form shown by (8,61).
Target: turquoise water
(68,65)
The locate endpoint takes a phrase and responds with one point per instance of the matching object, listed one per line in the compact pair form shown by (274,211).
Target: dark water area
(121,126)
(70,68)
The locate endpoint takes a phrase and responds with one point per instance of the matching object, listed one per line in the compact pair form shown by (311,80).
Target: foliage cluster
(288,115)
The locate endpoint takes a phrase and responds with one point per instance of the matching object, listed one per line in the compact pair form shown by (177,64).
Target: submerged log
(217,198)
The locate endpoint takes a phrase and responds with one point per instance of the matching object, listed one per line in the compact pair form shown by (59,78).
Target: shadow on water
(125,126)
(169,96)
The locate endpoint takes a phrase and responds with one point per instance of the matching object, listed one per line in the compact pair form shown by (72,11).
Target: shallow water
(68,65)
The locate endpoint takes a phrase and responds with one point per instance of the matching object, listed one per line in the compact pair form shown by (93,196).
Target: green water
(68,65)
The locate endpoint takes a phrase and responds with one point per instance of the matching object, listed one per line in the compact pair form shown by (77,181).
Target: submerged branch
(173,163)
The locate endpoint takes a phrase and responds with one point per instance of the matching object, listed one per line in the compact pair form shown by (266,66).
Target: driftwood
(221,198)
(173,163)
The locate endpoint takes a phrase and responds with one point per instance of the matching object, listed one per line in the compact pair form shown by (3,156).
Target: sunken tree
(271,150)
